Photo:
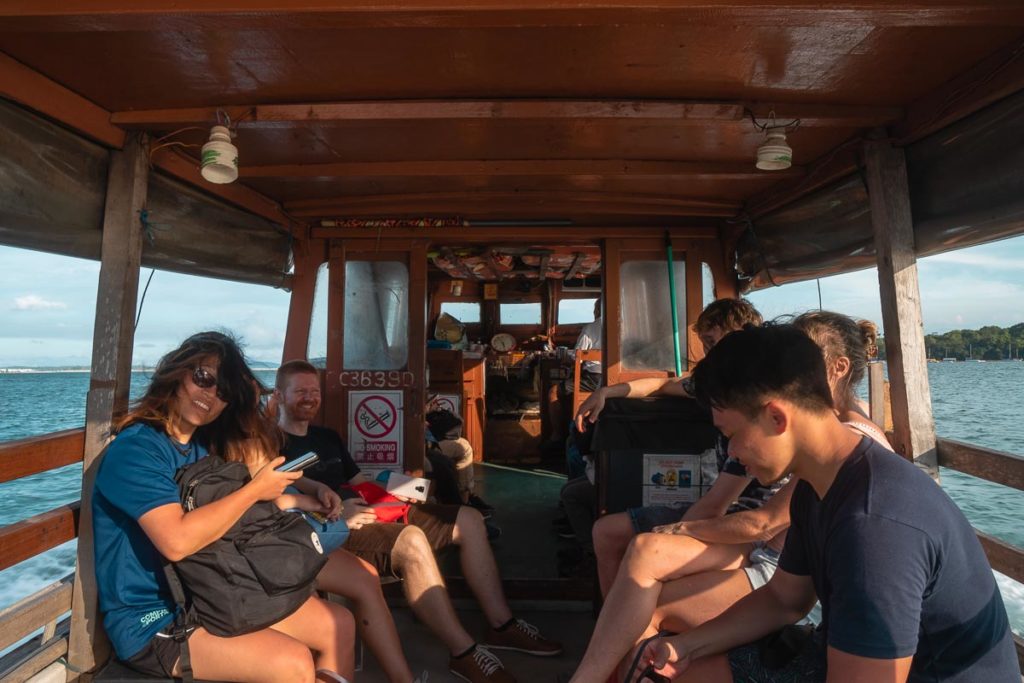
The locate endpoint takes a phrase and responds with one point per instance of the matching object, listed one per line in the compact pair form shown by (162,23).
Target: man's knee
(613,532)
(412,550)
(469,522)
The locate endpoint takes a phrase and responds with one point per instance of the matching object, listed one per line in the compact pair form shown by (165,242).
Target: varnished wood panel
(36,454)
(996,466)
(29,537)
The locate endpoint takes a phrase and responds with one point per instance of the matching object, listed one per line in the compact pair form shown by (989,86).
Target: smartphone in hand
(300,463)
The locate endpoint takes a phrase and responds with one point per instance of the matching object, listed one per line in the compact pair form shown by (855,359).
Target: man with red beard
(406,551)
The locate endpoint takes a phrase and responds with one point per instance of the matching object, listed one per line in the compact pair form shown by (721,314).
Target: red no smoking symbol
(445,403)
(375,417)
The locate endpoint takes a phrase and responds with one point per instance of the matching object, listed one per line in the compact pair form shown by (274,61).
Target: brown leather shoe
(522,637)
(480,666)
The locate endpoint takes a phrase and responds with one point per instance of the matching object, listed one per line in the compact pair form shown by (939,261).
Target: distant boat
(949,360)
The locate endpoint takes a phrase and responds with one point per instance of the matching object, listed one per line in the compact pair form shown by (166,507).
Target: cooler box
(658,451)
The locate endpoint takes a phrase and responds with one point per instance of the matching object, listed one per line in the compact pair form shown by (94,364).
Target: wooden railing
(27,538)
(1001,468)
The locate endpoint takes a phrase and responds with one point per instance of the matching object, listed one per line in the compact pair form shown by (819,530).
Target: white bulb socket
(219,158)
(774,154)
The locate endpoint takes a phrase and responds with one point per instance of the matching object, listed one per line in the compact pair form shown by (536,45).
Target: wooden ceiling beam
(696,170)
(508,204)
(111,15)
(583,235)
(35,91)
(681,112)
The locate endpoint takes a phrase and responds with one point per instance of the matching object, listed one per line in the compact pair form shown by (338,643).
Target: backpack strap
(181,628)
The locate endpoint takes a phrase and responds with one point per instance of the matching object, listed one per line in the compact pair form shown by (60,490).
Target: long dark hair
(840,335)
(241,418)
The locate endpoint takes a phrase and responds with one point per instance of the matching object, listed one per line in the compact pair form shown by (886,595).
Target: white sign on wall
(450,402)
(375,429)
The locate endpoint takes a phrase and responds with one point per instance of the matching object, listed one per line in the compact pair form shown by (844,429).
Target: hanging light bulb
(219,157)
(774,154)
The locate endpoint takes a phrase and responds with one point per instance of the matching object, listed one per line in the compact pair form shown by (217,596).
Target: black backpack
(257,573)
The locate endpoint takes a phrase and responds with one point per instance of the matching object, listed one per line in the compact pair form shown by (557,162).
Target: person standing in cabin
(906,591)
(560,395)
(688,572)
(200,398)
(613,533)
(406,551)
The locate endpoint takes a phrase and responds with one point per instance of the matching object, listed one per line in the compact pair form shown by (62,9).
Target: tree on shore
(988,343)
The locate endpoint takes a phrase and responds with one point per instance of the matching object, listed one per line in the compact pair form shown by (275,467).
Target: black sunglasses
(204,379)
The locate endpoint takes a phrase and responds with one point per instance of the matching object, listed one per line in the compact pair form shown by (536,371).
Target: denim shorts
(646,518)
(806,665)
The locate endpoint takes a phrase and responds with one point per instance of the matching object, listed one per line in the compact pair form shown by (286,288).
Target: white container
(219,158)
(773,154)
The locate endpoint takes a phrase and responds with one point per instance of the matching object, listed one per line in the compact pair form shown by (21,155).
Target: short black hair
(753,365)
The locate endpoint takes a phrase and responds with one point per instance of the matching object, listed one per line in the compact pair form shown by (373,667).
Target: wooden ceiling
(599,111)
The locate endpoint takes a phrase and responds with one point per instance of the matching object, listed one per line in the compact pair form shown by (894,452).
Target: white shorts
(763,562)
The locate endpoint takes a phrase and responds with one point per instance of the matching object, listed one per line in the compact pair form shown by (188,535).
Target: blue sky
(47,303)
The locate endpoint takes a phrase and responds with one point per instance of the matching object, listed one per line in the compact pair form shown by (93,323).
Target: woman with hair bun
(201,399)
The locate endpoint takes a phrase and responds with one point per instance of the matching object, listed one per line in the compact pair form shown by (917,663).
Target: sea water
(980,403)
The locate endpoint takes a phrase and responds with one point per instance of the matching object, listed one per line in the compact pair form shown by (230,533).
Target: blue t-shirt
(135,476)
(900,572)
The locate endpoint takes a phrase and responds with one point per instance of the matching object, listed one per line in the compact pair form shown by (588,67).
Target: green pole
(672,299)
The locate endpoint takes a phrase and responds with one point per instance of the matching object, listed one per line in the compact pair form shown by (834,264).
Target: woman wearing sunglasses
(201,399)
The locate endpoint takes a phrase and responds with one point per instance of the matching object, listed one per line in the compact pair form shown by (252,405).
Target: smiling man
(906,591)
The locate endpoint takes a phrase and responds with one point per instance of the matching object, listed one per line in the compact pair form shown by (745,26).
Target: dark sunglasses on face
(204,379)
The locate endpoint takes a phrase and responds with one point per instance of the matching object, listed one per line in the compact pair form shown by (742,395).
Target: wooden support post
(308,255)
(876,394)
(913,425)
(113,336)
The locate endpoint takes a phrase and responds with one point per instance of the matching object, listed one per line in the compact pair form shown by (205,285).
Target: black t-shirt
(899,572)
(336,466)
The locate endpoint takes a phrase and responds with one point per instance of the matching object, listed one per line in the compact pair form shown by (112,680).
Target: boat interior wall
(52,197)
(966,188)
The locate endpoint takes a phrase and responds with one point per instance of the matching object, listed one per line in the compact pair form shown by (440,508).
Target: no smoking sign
(375,428)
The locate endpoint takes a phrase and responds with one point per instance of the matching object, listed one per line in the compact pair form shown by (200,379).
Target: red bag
(385,506)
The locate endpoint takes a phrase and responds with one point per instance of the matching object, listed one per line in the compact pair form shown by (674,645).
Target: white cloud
(967,258)
(34,302)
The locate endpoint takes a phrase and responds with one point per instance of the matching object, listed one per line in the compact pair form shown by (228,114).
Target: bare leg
(282,652)
(423,584)
(650,560)
(612,534)
(347,575)
(690,601)
(479,567)
(265,656)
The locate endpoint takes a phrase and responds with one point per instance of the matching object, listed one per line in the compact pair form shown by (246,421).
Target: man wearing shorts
(613,533)
(406,551)
(906,591)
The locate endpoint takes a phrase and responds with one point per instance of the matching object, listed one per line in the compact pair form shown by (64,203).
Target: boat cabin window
(464,311)
(708,287)
(316,349)
(376,304)
(576,311)
(645,321)
(520,314)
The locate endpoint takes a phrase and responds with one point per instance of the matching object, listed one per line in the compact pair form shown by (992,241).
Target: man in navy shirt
(906,591)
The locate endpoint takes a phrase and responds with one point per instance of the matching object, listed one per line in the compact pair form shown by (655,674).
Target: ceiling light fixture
(219,160)
(774,154)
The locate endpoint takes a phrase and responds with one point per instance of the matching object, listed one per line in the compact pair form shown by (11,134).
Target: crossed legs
(651,560)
